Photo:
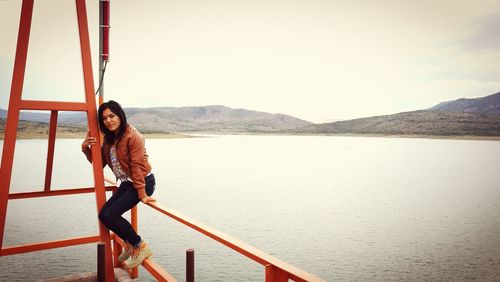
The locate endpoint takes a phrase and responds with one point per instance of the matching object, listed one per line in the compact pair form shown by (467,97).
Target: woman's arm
(89,141)
(138,168)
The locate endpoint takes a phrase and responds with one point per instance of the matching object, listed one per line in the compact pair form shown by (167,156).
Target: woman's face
(111,121)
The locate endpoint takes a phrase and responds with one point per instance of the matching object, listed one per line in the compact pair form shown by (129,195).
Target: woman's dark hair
(114,107)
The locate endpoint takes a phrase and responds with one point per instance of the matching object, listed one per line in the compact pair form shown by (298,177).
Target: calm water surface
(342,208)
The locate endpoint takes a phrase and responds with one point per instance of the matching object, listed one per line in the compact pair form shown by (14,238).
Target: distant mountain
(477,117)
(210,118)
(187,119)
(413,123)
(66,118)
(31,116)
(489,105)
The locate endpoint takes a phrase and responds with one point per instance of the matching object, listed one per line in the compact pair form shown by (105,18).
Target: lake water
(342,208)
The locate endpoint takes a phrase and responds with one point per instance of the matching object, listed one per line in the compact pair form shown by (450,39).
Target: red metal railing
(275,269)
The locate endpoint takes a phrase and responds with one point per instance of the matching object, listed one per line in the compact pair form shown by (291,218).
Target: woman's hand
(89,141)
(148,199)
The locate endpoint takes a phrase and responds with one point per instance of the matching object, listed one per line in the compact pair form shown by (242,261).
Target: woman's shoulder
(133,134)
(132,131)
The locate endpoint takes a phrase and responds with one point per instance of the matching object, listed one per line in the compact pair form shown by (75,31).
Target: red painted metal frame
(16,104)
(275,270)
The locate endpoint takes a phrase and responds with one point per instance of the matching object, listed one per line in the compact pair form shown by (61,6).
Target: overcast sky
(318,60)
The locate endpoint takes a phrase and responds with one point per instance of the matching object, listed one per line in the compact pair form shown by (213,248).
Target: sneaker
(126,254)
(138,256)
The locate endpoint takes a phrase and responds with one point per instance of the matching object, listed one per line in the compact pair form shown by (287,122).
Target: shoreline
(81,135)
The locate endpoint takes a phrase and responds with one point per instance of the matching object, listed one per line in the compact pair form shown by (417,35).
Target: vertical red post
(100,192)
(50,150)
(134,223)
(13,112)
(274,274)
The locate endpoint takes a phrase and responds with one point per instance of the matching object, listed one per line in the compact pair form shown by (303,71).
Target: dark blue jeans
(123,200)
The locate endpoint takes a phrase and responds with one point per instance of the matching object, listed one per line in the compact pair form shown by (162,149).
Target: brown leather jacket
(132,156)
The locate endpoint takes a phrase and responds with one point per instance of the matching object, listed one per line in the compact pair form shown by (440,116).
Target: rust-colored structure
(275,270)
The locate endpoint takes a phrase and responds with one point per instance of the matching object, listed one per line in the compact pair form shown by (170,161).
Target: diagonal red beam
(13,112)
(48,245)
(88,78)
(59,192)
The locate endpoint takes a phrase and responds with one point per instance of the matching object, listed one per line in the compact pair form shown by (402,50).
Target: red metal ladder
(16,104)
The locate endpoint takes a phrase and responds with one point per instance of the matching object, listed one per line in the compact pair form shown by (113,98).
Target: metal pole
(101,59)
(190,265)
(103,44)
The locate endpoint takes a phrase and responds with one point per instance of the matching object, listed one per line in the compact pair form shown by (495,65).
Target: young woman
(124,152)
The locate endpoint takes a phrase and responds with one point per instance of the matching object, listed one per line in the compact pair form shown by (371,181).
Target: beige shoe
(126,254)
(138,256)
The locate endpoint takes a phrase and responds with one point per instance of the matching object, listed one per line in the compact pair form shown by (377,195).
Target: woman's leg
(111,215)
(116,195)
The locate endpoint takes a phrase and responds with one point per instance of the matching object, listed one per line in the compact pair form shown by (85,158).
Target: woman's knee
(104,216)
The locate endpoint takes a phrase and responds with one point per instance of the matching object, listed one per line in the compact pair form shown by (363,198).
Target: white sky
(318,60)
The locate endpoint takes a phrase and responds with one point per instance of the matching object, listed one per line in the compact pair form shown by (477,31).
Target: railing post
(190,265)
(274,274)
(134,222)
(101,261)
